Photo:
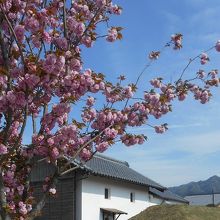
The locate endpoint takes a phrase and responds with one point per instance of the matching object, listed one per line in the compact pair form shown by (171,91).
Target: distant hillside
(178,212)
(202,187)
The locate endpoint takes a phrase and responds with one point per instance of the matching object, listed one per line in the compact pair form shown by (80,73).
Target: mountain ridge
(209,186)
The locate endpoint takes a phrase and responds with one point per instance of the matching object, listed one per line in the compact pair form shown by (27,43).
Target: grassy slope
(178,212)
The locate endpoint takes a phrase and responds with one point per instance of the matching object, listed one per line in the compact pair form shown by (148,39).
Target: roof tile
(109,167)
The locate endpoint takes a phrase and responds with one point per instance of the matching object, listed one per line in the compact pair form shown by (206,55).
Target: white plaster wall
(173,202)
(203,199)
(93,198)
(155,200)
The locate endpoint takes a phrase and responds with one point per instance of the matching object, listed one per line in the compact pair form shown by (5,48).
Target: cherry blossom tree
(42,78)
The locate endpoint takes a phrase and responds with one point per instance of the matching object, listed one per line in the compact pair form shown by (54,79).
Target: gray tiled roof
(109,167)
(167,195)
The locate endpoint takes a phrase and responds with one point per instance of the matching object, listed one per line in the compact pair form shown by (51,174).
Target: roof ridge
(104,157)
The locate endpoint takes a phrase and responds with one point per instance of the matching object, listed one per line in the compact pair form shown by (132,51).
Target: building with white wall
(103,189)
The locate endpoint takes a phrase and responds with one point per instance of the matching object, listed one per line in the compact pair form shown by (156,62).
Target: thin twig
(145,68)
(191,60)
(28,42)
(39,52)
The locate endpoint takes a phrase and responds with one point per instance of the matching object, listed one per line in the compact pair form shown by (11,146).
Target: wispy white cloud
(210,37)
(171,173)
(199,144)
(192,125)
(195,144)
(206,16)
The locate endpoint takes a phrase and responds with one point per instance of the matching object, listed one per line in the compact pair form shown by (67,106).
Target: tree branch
(34,124)
(64,19)
(88,26)
(3,201)
(87,143)
(24,123)
(14,35)
(69,170)
(190,61)
(8,117)
(36,211)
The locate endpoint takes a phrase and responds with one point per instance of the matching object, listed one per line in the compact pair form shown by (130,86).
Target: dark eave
(167,195)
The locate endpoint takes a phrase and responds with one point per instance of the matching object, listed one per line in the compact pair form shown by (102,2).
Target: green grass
(179,212)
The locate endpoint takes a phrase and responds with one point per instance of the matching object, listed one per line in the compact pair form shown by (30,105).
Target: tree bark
(3,202)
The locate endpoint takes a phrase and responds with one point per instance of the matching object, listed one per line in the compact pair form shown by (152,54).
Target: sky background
(190,150)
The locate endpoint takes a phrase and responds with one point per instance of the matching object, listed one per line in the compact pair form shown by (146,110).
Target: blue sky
(190,150)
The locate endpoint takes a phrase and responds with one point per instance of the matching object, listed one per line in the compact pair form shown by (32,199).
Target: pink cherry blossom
(52,191)
(156,83)
(87,41)
(90,101)
(160,129)
(32,24)
(217,46)
(204,58)
(112,35)
(3,149)
(61,43)
(19,31)
(102,147)
(177,41)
